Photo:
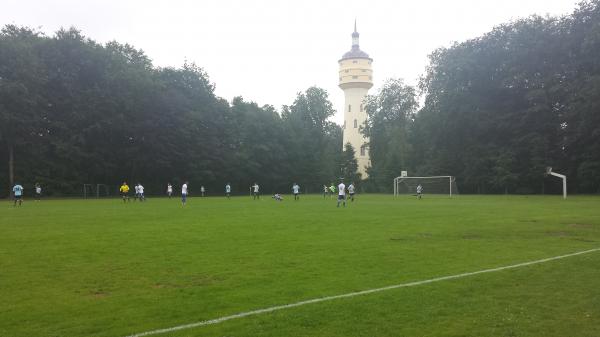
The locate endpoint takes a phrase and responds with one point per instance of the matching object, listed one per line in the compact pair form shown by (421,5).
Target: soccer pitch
(104,268)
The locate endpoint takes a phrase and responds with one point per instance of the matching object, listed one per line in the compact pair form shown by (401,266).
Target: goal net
(88,191)
(443,185)
(97,191)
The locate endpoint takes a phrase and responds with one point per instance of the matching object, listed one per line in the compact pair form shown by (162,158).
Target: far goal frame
(397,180)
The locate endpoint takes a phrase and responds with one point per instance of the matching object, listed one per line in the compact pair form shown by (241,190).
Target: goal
(100,190)
(444,185)
(88,191)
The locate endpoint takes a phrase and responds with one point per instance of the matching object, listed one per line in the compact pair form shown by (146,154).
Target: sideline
(353,294)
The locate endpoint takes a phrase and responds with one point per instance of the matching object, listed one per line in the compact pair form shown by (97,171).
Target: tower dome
(355,52)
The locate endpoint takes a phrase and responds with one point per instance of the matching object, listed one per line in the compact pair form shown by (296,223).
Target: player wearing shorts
(18,194)
(296,190)
(227,190)
(136,195)
(124,190)
(38,192)
(341,194)
(184,193)
(141,195)
(419,191)
(255,193)
(351,191)
(169,190)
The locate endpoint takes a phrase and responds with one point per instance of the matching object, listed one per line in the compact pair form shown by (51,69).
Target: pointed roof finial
(355,35)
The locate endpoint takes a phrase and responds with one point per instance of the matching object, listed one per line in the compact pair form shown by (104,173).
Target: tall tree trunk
(11,169)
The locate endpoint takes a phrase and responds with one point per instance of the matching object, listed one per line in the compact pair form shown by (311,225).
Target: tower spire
(355,36)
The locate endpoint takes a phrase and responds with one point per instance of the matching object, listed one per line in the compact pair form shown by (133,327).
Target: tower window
(347,70)
(344,127)
(364,70)
(355,123)
(340,78)
(361,108)
(349,108)
(363,150)
(354,77)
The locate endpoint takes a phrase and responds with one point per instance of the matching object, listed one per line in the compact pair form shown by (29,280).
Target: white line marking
(353,294)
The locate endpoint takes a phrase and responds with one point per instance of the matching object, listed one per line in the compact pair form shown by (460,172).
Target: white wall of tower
(354,118)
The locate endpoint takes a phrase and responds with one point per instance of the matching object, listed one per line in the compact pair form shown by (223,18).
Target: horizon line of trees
(497,110)
(76,112)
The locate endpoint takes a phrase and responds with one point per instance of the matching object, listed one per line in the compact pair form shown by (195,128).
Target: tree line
(73,112)
(493,111)
(498,109)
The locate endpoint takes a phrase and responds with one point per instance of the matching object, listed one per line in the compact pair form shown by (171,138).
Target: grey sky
(267,51)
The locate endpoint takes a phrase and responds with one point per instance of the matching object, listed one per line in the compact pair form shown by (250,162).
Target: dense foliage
(500,108)
(73,111)
(496,110)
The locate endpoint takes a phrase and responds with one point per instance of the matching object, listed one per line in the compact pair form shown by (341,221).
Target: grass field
(102,268)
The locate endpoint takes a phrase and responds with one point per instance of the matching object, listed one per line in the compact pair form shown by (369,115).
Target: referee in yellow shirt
(124,191)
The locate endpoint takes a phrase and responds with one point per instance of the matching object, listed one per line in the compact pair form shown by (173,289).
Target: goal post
(88,191)
(441,185)
(561,176)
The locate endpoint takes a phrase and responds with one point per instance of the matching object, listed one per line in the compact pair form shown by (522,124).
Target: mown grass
(102,268)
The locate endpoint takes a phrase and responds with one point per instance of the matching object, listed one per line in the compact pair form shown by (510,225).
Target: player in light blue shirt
(18,193)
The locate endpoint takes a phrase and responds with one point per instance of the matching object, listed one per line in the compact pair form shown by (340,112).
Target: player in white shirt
(351,191)
(228,190)
(140,189)
(169,190)
(202,190)
(137,192)
(38,192)
(296,190)
(325,189)
(277,197)
(419,191)
(255,189)
(184,193)
(341,194)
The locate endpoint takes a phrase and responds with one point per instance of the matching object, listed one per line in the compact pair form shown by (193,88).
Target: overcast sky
(268,51)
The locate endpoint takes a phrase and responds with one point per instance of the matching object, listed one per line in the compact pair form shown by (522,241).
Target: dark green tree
(349,165)
(390,114)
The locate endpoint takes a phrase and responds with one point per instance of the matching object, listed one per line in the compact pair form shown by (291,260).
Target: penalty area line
(353,294)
